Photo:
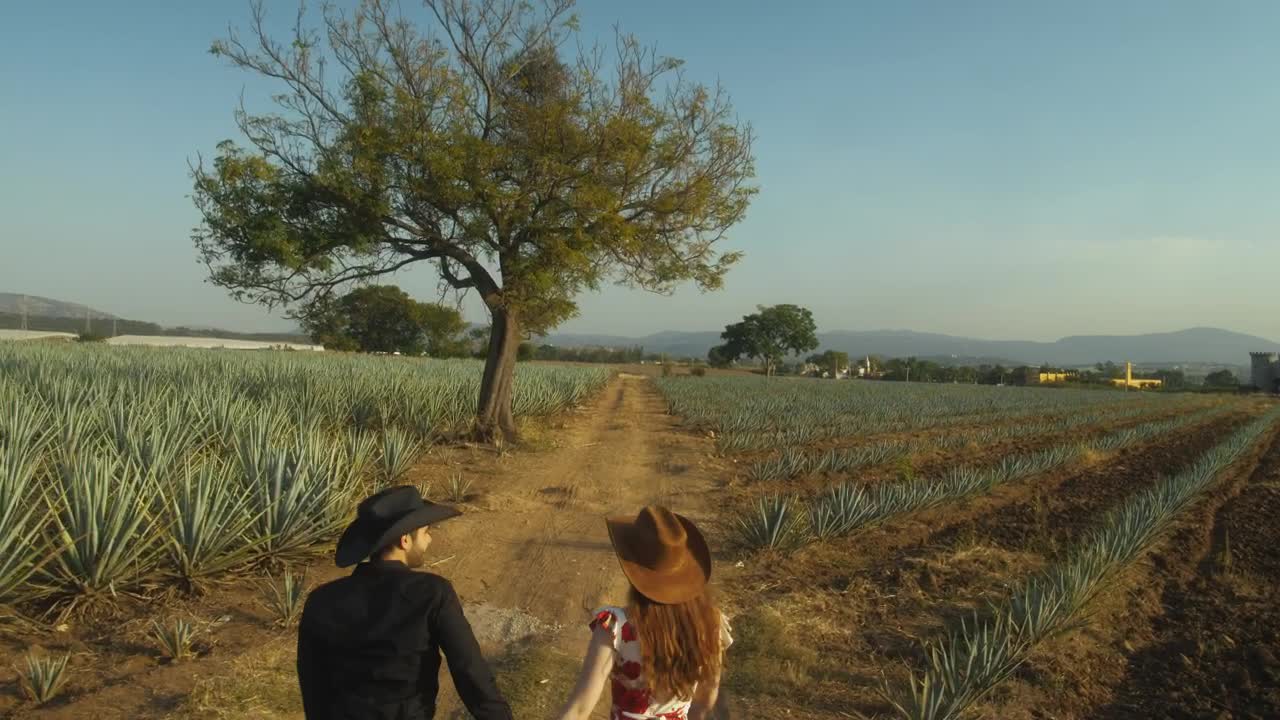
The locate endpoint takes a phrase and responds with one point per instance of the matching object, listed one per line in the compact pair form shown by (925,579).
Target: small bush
(43,677)
(175,639)
(698,371)
(667,370)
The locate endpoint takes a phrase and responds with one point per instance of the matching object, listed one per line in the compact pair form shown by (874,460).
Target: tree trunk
(493,415)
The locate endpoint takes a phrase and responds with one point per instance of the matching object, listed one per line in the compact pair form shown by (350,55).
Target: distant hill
(58,316)
(1194,345)
(12,304)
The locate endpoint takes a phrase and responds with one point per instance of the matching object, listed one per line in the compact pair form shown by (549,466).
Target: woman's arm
(704,700)
(595,671)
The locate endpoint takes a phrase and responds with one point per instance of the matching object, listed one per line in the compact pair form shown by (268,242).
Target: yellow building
(1129,381)
(1052,377)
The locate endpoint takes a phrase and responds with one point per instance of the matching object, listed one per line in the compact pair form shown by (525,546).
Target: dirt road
(535,558)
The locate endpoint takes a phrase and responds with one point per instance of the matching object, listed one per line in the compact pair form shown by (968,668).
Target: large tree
(768,335)
(383,318)
(478,146)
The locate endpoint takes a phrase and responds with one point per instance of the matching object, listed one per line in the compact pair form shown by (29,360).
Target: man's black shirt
(369,648)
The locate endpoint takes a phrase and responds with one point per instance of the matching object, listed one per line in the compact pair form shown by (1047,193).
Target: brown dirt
(530,555)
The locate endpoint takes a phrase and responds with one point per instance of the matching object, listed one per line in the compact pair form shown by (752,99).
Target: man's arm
(471,674)
(315,704)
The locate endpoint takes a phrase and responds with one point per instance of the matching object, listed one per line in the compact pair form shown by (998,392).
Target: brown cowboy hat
(663,554)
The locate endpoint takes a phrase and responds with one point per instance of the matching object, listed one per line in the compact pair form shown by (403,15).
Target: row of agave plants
(752,414)
(118,465)
(788,521)
(966,664)
(796,461)
(430,398)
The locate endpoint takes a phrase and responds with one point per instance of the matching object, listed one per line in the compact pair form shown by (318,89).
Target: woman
(663,652)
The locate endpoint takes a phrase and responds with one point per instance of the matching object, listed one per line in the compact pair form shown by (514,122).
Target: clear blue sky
(994,169)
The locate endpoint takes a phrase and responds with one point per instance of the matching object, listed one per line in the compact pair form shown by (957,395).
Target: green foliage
(514,171)
(831,362)
(384,319)
(590,354)
(1221,379)
(768,335)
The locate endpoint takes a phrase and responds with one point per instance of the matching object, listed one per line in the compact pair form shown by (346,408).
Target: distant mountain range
(1200,345)
(36,306)
(1194,345)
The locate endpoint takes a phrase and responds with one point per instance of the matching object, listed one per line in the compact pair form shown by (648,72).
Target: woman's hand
(595,671)
(704,700)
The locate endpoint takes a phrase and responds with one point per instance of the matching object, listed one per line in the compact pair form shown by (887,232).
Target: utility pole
(24,312)
(113,326)
(88,328)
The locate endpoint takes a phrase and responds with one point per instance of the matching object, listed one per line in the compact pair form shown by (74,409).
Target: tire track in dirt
(542,548)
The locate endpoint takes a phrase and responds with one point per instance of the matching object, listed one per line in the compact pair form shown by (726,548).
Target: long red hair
(681,643)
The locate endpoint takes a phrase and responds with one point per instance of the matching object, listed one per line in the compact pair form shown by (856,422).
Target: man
(369,644)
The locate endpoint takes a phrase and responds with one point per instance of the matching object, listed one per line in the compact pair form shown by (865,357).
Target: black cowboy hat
(385,516)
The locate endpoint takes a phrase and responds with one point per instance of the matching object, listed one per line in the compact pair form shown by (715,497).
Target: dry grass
(536,678)
(769,656)
(261,684)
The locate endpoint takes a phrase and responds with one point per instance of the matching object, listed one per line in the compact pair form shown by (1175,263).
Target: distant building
(1129,381)
(208,343)
(1051,377)
(1265,374)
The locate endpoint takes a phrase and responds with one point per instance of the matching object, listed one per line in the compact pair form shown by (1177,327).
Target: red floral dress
(631,697)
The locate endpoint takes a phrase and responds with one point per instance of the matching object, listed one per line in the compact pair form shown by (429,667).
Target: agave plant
(21,519)
(208,521)
(399,453)
(43,676)
(286,598)
(298,495)
(175,639)
(459,487)
(102,525)
(776,522)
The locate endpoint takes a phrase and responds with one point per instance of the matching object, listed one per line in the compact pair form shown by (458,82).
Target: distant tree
(1221,379)
(1171,379)
(480,143)
(444,330)
(832,362)
(770,335)
(718,357)
(525,352)
(382,318)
